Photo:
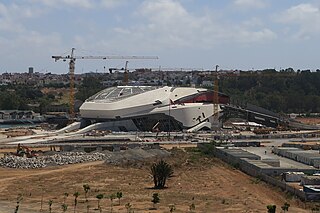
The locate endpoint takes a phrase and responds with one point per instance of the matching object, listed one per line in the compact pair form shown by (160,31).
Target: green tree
(161,171)
(86,189)
(172,208)
(155,199)
(90,85)
(192,207)
(50,205)
(112,197)
(128,207)
(65,195)
(119,196)
(271,208)
(99,197)
(285,207)
(76,195)
(64,207)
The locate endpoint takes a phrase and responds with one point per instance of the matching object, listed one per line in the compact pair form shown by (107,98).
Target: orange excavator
(24,151)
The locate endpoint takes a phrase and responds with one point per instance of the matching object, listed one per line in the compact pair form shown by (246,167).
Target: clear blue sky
(236,34)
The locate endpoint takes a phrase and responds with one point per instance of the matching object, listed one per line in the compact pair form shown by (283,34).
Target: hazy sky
(236,34)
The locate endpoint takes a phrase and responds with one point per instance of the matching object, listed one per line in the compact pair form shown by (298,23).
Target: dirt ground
(208,183)
(312,121)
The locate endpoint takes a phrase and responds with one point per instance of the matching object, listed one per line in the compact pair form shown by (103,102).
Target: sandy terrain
(210,184)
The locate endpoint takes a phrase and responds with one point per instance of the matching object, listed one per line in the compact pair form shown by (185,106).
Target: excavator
(24,151)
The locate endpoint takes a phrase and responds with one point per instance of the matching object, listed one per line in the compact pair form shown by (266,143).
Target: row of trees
(285,91)
(15,97)
(18,97)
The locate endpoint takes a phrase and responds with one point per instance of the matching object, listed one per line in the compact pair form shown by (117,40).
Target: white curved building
(147,108)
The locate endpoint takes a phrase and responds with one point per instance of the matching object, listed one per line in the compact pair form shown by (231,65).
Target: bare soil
(208,183)
(312,121)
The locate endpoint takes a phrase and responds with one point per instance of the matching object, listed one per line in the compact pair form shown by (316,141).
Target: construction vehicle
(24,151)
(72,59)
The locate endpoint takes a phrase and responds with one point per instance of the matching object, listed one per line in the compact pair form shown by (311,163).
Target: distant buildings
(137,77)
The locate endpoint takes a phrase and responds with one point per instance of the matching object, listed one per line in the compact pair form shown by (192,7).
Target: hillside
(208,183)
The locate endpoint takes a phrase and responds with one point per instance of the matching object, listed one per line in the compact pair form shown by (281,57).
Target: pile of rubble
(49,160)
(64,158)
(134,155)
(72,158)
(12,161)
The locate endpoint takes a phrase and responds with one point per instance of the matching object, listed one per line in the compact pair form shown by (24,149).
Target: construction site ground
(208,183)
(312,121)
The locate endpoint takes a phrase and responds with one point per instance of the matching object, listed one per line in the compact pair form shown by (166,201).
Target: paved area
(265,153)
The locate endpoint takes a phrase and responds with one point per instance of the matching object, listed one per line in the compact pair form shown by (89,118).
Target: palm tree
(192,207)
(99,197)
(119,196)
(128,207)
(160,172)
(271,208)
(172,208)
(155,200)
(65,195)
(64,207)
(86,189)
(50,204)
(285,207)
(112,197)
(76,195)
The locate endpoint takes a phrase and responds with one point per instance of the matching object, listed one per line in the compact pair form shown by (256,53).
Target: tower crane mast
(72,58)
(216,96)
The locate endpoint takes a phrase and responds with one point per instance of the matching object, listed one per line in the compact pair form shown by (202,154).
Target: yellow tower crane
(72,58)
(215,96)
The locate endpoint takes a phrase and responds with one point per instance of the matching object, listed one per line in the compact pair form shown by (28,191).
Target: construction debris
(134,155)
(64,158)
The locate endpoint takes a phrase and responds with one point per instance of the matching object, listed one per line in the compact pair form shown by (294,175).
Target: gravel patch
(64,158)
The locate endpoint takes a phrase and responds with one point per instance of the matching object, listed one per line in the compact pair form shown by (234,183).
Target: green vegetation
(119,196)
(112,197)
(192,207)
(86,189)
(285,207)
(128,207)
(64,207)
(65,195)
(90,85)
(285,91)
(271,208)
(99,197)
(18,96)
(160,172)
(155,199)
(50,202)
(172,208)
(76,195)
